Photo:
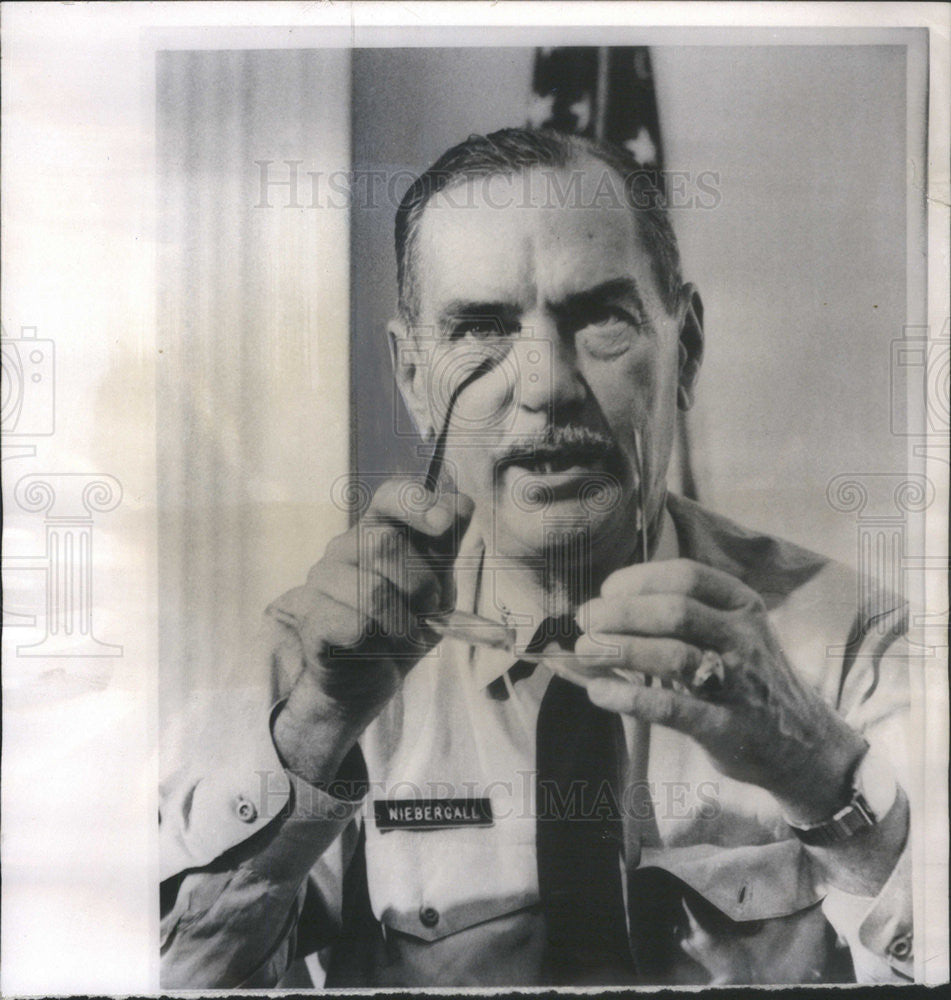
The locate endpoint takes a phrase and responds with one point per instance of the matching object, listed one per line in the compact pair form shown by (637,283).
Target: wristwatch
(873,794)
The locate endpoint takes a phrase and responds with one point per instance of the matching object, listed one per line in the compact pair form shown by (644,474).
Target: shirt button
(609,834)
(245,809)
(901,947)
(428,916)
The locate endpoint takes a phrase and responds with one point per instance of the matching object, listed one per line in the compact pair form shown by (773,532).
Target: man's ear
(411,362)
(691,345)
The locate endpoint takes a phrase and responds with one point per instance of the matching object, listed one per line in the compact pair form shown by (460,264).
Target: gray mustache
(570,441)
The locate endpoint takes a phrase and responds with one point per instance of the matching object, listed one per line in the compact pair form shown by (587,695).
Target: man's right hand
(356,619)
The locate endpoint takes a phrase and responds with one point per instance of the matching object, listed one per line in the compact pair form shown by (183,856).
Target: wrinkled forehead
(543,230)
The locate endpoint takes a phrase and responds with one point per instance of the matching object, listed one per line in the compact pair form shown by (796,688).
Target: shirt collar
(471,575)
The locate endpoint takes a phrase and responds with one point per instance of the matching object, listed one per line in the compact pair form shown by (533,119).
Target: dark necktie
(579,832)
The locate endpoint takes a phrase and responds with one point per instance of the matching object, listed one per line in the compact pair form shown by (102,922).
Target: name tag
(431,814)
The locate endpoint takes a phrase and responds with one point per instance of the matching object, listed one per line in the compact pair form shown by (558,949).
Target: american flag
(602,93)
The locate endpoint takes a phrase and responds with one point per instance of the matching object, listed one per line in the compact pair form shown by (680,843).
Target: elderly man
(686,764)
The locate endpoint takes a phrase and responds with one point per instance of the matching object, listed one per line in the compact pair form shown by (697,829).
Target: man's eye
(608,332)
(477,329)
(610,315)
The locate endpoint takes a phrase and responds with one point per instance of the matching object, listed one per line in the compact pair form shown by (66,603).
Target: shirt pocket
(744,914)
(433,883)
(756,882)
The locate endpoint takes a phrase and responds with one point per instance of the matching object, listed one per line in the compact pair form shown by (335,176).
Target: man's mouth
(567,463)
(548,462)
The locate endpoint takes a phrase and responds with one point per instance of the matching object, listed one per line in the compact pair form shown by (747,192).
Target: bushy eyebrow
(607,291)
(469,310)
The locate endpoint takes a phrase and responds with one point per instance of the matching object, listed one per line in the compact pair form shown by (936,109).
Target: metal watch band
(847,822)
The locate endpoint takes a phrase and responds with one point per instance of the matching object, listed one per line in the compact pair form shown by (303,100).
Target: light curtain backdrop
(252,376)
(801,266)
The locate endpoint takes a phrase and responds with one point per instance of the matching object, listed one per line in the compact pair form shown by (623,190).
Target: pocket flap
(433,883)
(746,883)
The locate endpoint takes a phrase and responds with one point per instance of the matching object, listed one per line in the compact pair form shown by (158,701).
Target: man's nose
(549,377)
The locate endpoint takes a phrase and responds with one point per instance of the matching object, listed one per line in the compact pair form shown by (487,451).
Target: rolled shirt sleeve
(875,700)
(877,929)
(238,838)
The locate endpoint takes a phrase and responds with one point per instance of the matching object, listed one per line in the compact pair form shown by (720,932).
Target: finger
(378,613)
(343,548)
(600,654)
(409,502)
(328,622)
(700,719)
(323,620)
(672,615)
(359,588)
(679,576)
(389,552)
(291,607)
(342,609)
(375,548)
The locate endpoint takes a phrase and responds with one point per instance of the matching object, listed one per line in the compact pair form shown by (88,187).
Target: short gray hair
(512,151)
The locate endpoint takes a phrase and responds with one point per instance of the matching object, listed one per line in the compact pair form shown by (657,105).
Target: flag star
(539,111)
(643,147)
(582,111)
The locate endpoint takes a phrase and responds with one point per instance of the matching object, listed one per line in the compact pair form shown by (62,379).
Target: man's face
(557,300)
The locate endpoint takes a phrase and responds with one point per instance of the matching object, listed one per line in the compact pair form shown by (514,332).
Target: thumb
(450,517)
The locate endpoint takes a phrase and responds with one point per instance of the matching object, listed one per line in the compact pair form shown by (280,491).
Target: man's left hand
(762,726)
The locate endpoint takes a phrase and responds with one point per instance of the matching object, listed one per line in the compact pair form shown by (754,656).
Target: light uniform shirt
(265,874)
